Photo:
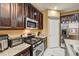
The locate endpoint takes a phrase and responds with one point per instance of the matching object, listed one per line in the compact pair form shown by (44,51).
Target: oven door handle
(39,44)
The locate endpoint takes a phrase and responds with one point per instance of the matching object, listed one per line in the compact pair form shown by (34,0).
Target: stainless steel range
(37,46)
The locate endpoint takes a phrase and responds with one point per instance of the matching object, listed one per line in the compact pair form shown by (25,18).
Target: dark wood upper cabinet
(34,14)
(26,13)
(12,15)
(28,10)
(20,15)
(31,11)
(5,15)
(17,16)
(40,21)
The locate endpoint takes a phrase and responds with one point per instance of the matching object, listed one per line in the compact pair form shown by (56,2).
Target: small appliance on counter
(3,42)
(15,41)
(38,34)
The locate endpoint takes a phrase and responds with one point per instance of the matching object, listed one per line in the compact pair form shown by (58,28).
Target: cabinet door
(5,18)
(30,11)
(36,14)
(26,9)
(40,21)
(20,15)
(13,15)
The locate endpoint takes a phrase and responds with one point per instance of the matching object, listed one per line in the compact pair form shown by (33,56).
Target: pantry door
(53,32)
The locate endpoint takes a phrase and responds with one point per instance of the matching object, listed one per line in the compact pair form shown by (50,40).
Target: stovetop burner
(32,40)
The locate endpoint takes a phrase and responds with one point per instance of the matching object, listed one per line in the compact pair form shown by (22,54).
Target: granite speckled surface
(75,45)
(14,50)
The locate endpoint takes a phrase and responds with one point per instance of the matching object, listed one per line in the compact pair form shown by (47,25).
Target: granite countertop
(14,50)
(35,36)
(71,46)
(40,36)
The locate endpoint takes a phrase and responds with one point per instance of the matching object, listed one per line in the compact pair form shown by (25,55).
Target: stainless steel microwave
(31,24)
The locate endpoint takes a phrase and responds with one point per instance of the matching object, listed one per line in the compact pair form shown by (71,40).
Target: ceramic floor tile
(54,52)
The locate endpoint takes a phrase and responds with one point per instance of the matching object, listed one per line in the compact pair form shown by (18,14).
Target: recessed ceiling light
(53,12)
(55,8)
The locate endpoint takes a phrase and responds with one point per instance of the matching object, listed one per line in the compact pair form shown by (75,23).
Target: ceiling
(63,7)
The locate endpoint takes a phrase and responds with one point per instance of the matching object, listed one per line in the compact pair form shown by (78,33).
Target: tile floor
(54,52)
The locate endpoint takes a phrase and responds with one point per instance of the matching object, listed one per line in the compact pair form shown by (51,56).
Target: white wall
(53,13)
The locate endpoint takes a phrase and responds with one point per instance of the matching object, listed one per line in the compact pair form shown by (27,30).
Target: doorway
(54,32)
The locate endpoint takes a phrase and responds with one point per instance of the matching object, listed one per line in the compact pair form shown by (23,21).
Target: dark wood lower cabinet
(45,43)
(25,52)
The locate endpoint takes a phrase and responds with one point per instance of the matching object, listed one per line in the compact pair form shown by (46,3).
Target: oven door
(39,50)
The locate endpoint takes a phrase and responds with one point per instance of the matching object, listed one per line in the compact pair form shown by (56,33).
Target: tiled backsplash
(16,33)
